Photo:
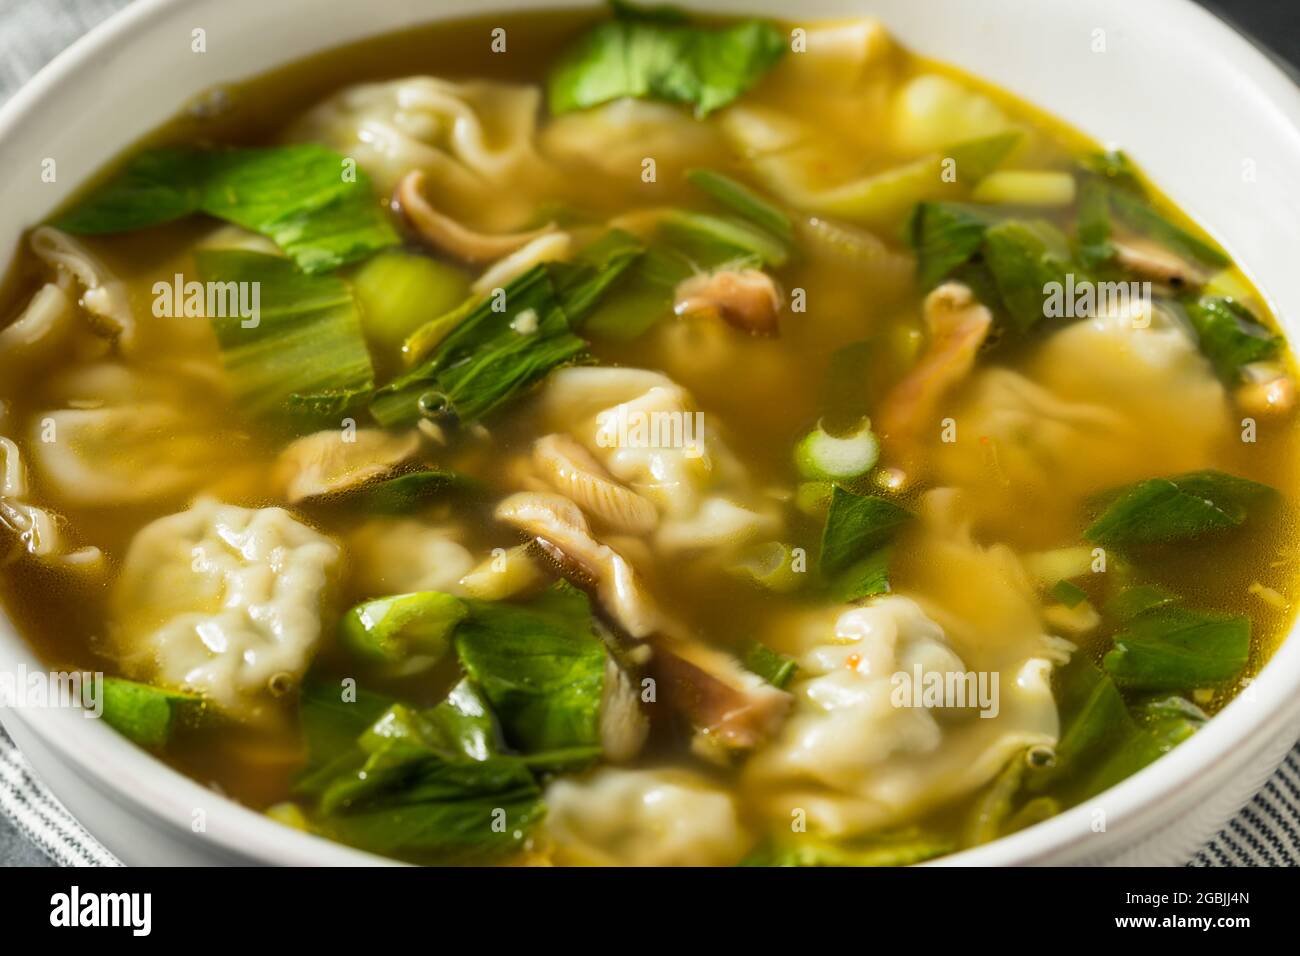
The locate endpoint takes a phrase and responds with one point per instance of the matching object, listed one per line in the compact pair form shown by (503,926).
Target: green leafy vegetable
(777,669)
(988,818)
(741,199)
(1160,726)
(406,493)
(641,298)
(1230,336)
(306,338)
(864,578)
(647,55)
(715,239)
(1069,594)
(1173,647)
(1092,225)
(488,359)
(149,716)
(583,283)
(409,632)
(1102,742)
(1139,599)
(307,199)
(854,551)
(1177,510)
(432,785)
(1114,165)
(1094,720)
(1025,258)
(903,849)
(541,665)
(945,235)
(1142,217)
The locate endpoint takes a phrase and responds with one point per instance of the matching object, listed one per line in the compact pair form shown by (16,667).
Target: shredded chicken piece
(958,325)
(575,473)
(1153,261)
(729,706)
(446,234)
(747,299)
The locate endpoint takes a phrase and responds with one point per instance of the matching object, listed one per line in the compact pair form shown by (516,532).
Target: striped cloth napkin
(1265,833)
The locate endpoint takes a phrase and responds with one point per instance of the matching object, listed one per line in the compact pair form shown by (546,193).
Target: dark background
(1272,24)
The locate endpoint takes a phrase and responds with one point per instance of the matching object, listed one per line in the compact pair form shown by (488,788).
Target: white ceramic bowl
(1192,101)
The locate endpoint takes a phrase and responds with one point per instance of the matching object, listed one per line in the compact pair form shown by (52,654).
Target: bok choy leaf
(854,552)
(307,199)
(304,346)
(1174,648)
(1229,335)
(1178,510)
(540,665)
(651,54)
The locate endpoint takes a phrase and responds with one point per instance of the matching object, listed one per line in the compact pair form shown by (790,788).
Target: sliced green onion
(823,456)
(701,231)
(744,201)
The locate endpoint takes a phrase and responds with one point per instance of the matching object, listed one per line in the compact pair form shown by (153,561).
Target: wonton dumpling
(854,761)
(617,136)
(225,602)
(473,140)
(1101,400)
(644,429)
(618,817)
(126,437)
(400,555)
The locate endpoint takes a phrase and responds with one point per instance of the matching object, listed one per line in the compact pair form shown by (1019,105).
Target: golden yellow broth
(766,391)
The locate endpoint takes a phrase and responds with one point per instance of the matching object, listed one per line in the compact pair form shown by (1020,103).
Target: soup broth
(854,514)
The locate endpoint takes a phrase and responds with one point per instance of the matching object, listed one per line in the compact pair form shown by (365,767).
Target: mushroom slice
(747,299)
(1153,261)
(104,297)
(446,234)
(563,532)
(624,726)
(730,707)
(576,474)
(335,460)
(958,325)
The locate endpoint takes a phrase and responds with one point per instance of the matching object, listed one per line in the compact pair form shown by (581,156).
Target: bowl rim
(154,792)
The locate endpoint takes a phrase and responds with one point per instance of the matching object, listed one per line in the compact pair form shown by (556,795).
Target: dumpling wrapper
(226,602)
